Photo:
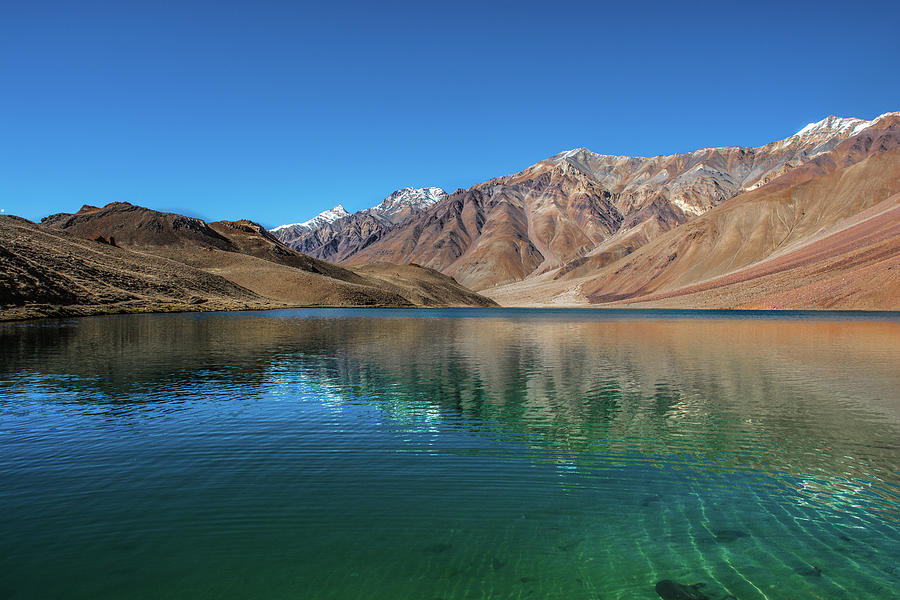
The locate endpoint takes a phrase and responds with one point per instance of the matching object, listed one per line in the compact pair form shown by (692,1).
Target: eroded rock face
(815,221)
(573,213)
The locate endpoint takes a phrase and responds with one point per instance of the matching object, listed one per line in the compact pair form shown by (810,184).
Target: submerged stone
(813,571)
(672,590)
(729,535)
(571,545)
(437,548)
(648,500)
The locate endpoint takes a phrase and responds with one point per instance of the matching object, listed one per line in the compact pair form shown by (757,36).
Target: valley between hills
(808,222)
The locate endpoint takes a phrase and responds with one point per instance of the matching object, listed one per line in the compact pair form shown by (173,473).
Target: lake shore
(39,312)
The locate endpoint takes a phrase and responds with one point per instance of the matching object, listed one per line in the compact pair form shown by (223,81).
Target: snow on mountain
(329,234)
(831,125)
(397,202)
(329,216)
(409,198)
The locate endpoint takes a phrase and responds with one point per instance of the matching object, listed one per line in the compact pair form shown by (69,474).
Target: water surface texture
(450,454)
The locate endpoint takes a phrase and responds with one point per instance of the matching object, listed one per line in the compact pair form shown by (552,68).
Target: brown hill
(422,286)
(179,237)
(244,253)
(47,272)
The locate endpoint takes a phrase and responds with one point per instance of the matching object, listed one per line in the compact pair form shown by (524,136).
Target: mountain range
(810,221)
(335,233)
(805,222)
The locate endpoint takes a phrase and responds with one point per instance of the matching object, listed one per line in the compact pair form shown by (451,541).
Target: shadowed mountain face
(578,213)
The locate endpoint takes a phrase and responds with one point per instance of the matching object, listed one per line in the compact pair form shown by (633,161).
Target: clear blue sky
(276,110)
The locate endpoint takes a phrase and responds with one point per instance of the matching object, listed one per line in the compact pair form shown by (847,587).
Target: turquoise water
(450,454)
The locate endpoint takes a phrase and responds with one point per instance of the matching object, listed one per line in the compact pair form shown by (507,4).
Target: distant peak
(323,218)
(87,208)
(834,125)
(570,153)
(418,198)
(332,214)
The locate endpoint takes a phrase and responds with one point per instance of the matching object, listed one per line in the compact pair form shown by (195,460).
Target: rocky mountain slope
(579,211)
(335,233)
(125,258)
(824,235)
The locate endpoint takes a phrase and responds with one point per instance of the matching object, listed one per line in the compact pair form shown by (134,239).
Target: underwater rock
(672,590)
(729,535)
(496,563)
(571,545)
(437,548)
(814,571)
(648,500)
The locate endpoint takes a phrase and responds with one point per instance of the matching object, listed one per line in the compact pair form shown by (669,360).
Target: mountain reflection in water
(695,422)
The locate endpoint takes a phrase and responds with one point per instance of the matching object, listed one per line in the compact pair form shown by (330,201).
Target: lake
(494,453)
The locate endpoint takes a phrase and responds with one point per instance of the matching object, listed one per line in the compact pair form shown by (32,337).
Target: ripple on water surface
(450,454)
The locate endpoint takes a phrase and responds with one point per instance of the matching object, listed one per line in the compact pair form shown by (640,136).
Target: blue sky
(275,111)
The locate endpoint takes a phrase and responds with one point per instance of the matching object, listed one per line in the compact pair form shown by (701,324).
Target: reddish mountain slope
(724,257)
(579,211)
(768,221)
(856,265)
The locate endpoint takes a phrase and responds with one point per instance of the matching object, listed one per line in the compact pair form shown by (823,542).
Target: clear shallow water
(450,454)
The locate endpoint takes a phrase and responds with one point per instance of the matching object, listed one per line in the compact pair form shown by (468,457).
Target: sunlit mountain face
(588,228)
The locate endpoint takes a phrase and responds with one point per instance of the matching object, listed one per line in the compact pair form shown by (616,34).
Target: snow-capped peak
(834,125)
(410,197)
(569,154)
(329,216)
(415,198)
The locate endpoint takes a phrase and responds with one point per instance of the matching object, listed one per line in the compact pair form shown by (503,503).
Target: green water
(450,454)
